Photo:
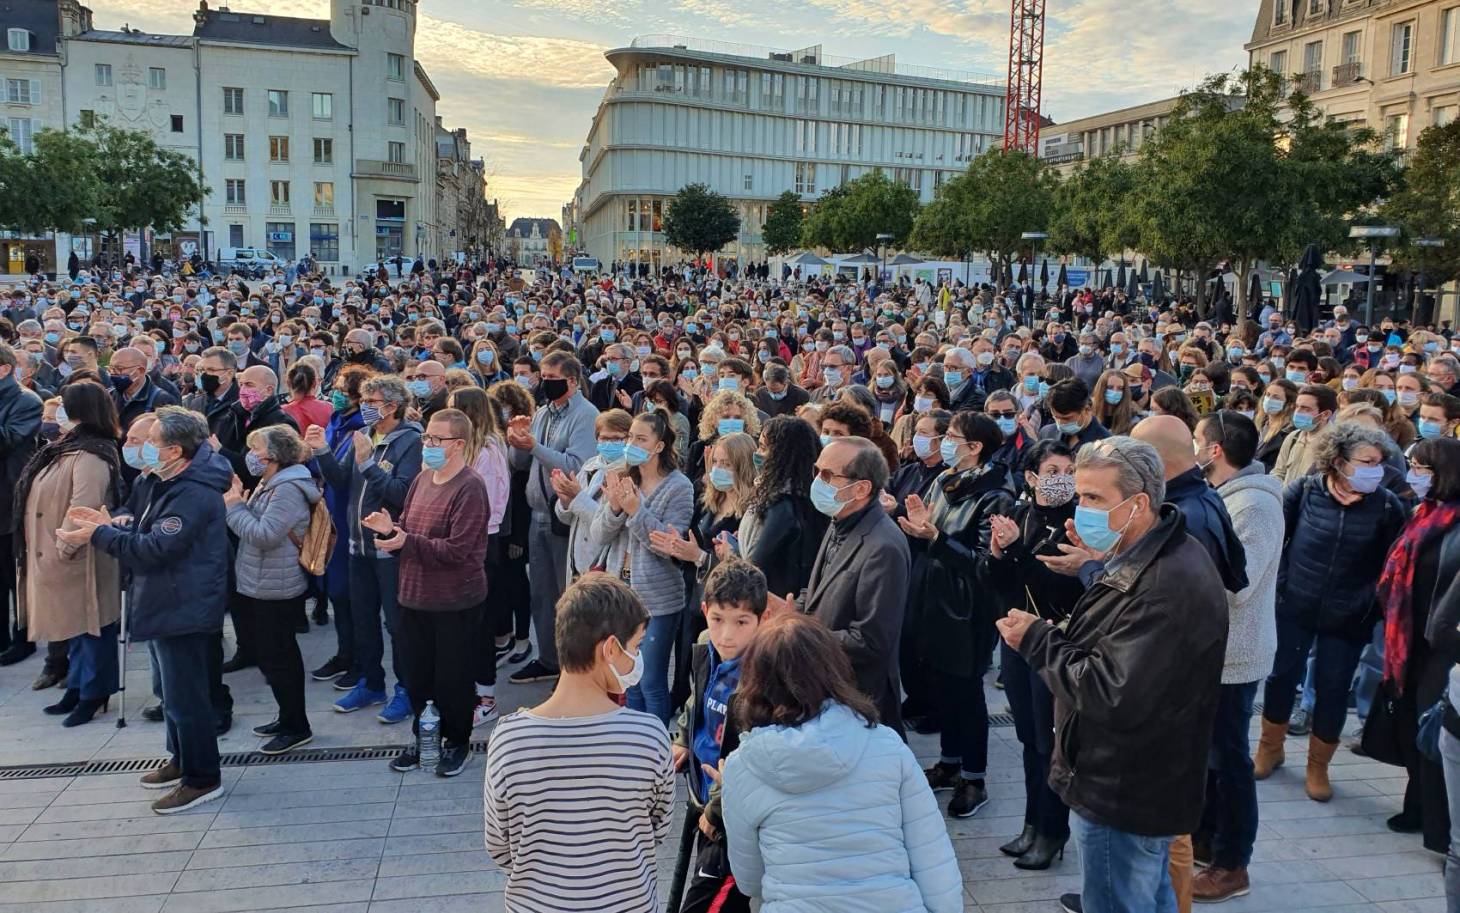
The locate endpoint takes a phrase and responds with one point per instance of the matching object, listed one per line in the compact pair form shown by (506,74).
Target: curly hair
(791,446)
(716,408)
(1340,440)
(510,395)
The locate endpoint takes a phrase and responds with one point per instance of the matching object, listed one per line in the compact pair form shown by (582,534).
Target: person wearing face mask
(239,340)
(1340,522)
(427,385)
(778,395)
(1072,416)
(259,406)
(1438,416)
(859,582)
(1034,526)
(560,748)
(21,412)
(1136,675)
(132,389)
(950,603)
(1313,407)
(1088,364)
(217,395)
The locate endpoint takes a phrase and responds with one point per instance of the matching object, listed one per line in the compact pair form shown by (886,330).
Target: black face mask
(210,383)
(554,387)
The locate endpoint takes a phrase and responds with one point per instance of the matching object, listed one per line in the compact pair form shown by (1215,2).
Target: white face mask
(629,679)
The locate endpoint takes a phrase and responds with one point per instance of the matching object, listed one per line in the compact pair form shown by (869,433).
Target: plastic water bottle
(429,728)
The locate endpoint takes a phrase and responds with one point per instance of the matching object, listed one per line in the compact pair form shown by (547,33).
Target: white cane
(122,664)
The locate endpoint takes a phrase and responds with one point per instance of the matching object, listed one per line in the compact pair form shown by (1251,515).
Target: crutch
(122,637)
(681,864)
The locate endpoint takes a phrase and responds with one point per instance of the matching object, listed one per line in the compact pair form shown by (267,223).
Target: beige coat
(1295,457)
(65,590)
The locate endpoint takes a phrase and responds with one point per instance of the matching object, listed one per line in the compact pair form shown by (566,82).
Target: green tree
(1427,205)
(699,220)
(53,188)
(142,184)
(987,208)
(1090,215)
(851,216)
(783,219)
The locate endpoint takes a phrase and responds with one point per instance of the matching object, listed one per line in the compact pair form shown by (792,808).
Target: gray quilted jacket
(267,565)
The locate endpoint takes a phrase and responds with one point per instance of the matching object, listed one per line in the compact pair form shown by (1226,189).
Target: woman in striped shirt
(578,789)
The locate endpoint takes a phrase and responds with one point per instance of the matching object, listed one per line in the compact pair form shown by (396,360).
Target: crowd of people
(755,531)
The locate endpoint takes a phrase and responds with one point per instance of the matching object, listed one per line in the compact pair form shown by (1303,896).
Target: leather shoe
(238,662)
(225,723)
(16,652)
(49,678)
(152,713)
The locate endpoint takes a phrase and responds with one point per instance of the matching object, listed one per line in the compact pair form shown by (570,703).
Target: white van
(256,259)
(586,265)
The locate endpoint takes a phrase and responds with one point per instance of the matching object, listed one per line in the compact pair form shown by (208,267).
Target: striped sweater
(574,808)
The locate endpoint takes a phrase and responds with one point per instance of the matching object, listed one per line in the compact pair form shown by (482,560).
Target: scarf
(79,441)
(1396,585)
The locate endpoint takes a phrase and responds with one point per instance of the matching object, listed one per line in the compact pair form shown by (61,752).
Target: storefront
(16,249)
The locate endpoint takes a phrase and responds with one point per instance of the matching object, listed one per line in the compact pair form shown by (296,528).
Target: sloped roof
(39,17)
(260,28)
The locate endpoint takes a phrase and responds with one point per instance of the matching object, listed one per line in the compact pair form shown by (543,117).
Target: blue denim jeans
(93,660)
(1123,873)
(337,589)
(1229,819)
(373,583)
(1450,755)
(192,738)
(651,694)
(1333,671)
(1366,680)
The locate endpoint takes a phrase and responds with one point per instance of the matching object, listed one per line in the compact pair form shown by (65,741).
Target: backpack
(318,542)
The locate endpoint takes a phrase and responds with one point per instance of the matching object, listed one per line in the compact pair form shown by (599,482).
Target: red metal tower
(1026,69)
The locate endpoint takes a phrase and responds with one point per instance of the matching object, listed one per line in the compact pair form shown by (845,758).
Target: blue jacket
(381,484)
(176,550)
(338,434)
(836,817)
(1207,519)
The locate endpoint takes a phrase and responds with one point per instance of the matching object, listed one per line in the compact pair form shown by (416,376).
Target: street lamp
(1373,234)
(883,239)
(1034,237)
(1424,244)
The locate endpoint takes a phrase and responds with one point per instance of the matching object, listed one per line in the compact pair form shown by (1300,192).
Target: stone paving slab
(355,837)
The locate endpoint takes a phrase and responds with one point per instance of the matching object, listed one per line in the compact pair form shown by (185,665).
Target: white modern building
(753,123)
(313,135)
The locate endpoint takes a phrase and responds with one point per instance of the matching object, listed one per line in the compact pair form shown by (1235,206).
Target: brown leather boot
(1319,754)
(1269,755)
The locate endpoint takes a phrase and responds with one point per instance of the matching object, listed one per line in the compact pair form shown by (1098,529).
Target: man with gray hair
(859,583)
(1136,675)
(837,367)
(175,544)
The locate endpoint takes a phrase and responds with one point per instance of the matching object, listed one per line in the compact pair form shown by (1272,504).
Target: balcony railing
(279,209)
(379,168)
(1346,74)
(1310,82)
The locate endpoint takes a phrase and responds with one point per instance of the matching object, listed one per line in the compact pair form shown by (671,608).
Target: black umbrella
(1308,289)
(1044,274)
(1133,289)
(1145,276)
(1120,276)
(1254,294)
(1158,287)
(1063,279)
(1023,272)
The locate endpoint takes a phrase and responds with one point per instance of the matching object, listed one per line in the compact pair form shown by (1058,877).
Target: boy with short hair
(734,601)
(578,789)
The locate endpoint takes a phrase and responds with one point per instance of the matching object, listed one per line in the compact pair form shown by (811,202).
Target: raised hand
(314,437)
(362,444)
(1005,532)
(378,522)
(918,522)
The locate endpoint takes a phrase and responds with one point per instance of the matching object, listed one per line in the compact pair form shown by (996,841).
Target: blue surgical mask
(635,455)
(689,373)
(1272,405)
(370,414)
(922,446)
(1419,482)
(1043,388)
(1093,527)
(826,440)
(1303,421)
(824,497)
(1297,377)
(616,369)
(723,479)
(1430,429)
(484,356)
(777,396)
(433,457)
(419,388)
(1389,396)
(1365,479)
(1068,428)
(611,451)
(832,376)
(948,450)
(151,456)
(1007,425)
(53,338)
(730,426)
(729,383)
(884,381)
(606,335)
(133,457)
(238,347)
(952,378)
(1113,397)
(1031,383)
(255,464)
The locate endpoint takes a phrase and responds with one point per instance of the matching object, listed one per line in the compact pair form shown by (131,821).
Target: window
(17,39)
(1396,131)
(1280,12)
(324,241)
(747,183)
(88,118)
(395,152)
(279,193)
(1450,36)
(281,238)
(232,101)
(103,74)
(233,193)
(22,91)
(1445,114)
(324,195)
(156,78)
(235,236)
(1278,62)
(233,147)
(395,67)
(1315,7)
(22,133)
(1312,57)
(805,177)
(324,106)
(177,123)
(1400,47)
(324,151)
(395,111)
(807,90)
(805,137)
(1351,44)
(737,86)
(278,148)
(278,103)
(773,90)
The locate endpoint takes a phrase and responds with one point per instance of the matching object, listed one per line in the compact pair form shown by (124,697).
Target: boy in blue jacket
(734,601)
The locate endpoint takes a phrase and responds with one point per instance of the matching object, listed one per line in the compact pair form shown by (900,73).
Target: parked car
(252,261)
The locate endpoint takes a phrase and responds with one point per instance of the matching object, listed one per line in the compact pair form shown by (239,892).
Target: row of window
(1401,50)
(324,239)
(233,149)
(847,98)
(235,193)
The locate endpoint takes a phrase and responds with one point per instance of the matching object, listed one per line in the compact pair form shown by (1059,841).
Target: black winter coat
(20,434)
(1136,673)
(1332,557)
(1023,580)
(956,606)
(785,548)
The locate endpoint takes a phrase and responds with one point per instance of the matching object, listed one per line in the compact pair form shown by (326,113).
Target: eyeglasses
(431,440)
(1010,414)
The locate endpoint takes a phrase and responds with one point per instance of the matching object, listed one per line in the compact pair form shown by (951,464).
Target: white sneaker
(485,711)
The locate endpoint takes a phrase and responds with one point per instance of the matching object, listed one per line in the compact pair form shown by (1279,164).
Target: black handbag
(1383,730)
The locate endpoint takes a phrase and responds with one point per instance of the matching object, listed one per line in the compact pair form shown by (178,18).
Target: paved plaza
(351,836)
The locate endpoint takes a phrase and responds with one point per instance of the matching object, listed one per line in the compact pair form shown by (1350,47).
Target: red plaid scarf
(1396,584)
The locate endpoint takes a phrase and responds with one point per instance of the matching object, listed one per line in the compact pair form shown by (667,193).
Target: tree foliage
(783,219)
(699,220)
(1090,217)
(53,188)
(988,207)
(1427,205)
(851,216)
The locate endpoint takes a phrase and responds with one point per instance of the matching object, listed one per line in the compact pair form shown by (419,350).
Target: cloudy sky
(525,76)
